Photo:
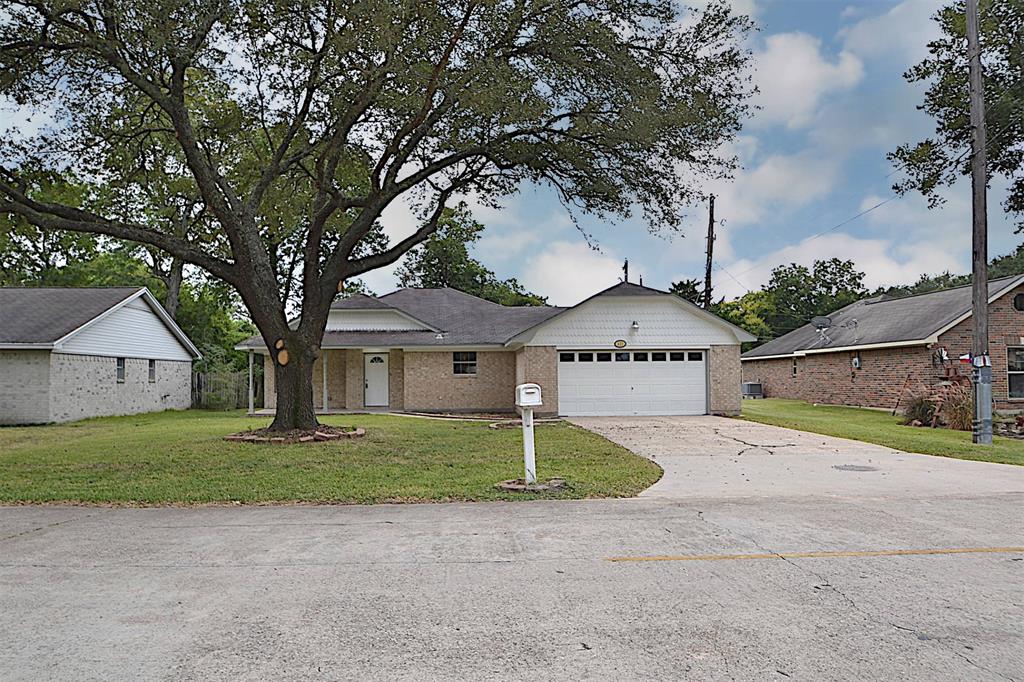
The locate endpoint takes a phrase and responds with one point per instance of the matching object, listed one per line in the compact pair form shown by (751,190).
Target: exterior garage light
(635,325)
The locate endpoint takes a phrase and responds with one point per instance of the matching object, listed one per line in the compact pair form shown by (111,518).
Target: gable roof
(43,317)
(880,321)
(456,318)
(630,289)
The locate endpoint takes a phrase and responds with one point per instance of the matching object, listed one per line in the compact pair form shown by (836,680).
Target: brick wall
(84,386)
(24,387)
(355,389)
(724,374)
(539,365)
(1005,328)
(269,389)
(396,380)
(335,379)
(430,384)
(830,377)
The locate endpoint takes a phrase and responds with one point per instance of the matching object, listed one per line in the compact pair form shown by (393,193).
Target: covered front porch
(345,380)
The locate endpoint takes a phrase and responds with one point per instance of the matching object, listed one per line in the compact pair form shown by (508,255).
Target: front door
(375,374)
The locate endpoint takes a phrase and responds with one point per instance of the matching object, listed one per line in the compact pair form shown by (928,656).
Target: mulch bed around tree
(321,434)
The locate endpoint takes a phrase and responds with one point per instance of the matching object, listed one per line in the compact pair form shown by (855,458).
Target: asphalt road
(807,585)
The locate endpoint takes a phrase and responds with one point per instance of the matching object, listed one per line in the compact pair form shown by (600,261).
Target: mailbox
(528,395)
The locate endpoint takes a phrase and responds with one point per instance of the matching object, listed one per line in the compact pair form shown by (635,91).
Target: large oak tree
(295,123)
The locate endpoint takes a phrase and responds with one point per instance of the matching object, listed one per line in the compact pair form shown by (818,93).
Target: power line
(866,211)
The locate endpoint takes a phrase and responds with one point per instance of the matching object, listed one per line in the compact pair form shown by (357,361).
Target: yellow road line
(822,555)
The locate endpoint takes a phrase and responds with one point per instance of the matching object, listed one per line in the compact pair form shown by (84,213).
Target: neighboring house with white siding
(72,353)
(628,350)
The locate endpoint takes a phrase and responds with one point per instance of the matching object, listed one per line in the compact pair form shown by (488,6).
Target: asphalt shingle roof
(880,320)
(459,318)
(43,315)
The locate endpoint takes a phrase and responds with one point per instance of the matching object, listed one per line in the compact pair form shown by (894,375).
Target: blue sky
(833,103)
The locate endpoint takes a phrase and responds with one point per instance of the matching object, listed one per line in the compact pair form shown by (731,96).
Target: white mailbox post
(527,398)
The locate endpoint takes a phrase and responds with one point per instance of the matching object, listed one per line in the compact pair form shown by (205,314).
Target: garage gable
(642,319)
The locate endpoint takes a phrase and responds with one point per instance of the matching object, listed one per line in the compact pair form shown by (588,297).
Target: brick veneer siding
(336,360)
(830,377)
(83,386)
(396,380)
(269,390)
(24,387)
(539,365)
(355,389)
(431,386)
(724,374)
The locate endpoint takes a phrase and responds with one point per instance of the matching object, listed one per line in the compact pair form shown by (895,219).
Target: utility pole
(981,364)
(710,250)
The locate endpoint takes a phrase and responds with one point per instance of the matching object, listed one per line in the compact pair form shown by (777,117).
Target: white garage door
(603,383)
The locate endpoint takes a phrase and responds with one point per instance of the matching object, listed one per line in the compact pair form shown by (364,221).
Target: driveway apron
(709,457)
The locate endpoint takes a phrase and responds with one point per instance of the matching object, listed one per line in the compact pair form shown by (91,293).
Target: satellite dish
(821,322)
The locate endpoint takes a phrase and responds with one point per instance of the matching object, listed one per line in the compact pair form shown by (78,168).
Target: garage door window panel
(622,357)
(677,357)
(604,357)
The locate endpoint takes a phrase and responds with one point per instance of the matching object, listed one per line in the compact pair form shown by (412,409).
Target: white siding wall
(85,386)
(376,320)
(24,387)
(663,324)
(133,331)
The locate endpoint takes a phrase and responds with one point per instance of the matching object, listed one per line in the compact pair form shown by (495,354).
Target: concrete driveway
(707,457)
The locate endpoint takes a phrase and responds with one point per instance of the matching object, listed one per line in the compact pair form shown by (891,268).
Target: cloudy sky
(833,103)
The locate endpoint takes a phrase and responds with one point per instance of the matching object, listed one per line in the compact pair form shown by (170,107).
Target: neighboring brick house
(72,353)
(627,350)
(877,347)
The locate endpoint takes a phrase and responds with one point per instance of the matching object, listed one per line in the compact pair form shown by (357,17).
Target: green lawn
(180,458)
(874,426)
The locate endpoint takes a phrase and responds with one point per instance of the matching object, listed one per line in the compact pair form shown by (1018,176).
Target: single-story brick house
(629,350)
(72,353)
(876,347)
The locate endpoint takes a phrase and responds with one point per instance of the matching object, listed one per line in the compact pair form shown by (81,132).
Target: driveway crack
(767,447)
(45,527)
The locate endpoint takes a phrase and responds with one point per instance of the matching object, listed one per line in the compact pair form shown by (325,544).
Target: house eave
(845,349)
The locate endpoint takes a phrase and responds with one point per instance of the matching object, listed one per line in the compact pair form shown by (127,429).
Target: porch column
(252,401)
(323,382)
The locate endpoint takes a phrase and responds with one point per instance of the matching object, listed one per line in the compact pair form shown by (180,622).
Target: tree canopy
(262,141)
(443,260)
(937,162)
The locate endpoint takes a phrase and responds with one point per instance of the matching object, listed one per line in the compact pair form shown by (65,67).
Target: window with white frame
(152,371)
(464,363)
(1015,371)
(120,370)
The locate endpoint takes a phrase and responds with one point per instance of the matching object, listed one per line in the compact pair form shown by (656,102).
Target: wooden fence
(225,390)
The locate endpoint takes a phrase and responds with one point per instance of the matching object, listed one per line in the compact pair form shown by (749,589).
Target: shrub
(958,407)
(919,407)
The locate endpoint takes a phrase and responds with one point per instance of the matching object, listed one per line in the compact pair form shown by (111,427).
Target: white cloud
(902,33)
(568,272)
(883,262)
(795,77)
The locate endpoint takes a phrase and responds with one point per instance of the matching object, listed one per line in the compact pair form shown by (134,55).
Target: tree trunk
(173,281)
(293,385)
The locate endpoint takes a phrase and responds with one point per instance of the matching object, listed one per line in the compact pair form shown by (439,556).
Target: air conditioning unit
(753,389)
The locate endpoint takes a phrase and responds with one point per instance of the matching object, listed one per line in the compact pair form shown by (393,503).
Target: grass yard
(874,426)
(180,458)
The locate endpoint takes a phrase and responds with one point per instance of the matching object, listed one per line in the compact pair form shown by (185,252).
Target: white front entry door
(375,374)
(622,383)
